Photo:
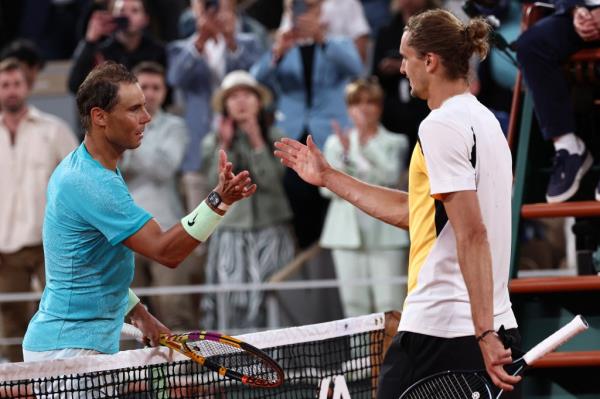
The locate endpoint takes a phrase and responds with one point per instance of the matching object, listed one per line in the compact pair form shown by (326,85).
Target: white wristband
(202,222)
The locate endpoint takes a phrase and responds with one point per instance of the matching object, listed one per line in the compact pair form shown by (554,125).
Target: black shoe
(567,171)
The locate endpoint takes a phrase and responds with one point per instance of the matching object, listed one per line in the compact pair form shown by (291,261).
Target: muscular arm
(390,206)
(386,204)
(169,247)
(475,261)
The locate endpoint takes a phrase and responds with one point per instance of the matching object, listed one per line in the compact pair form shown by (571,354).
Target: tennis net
(310,356)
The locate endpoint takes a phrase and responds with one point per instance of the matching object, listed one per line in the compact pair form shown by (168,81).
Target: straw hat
(237,79)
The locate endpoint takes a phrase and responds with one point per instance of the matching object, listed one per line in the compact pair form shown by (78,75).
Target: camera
(122,22)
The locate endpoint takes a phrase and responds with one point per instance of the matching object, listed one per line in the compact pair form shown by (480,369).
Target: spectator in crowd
(254,239)
(401,111)
(32,143)
(362,246)
(541,50)
(309,71)
(335,17)
(28,54)
(244,23)
(117,34)
(377,13)
(150,172)
(53,25)
(196,67)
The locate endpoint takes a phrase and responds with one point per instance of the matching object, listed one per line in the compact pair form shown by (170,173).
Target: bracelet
(202,222)
(483,334)
(132,300)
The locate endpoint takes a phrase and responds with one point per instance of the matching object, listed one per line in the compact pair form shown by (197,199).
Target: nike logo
(193,221)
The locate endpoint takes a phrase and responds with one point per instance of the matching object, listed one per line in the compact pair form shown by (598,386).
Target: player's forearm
(385,204)
(476,266)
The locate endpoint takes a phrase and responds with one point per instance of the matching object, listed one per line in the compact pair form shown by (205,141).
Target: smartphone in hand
(122,22)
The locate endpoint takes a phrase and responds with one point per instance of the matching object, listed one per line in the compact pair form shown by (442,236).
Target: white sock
(571,143)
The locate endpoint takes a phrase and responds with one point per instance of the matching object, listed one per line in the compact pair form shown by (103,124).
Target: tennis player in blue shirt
(92,225)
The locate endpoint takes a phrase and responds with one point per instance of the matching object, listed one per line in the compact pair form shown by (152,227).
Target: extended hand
(306,160)
(233,187)
(495,357)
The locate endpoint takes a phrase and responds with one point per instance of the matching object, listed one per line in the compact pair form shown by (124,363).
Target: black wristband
(483,334)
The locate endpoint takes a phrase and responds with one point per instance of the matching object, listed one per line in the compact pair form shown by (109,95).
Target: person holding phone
(254,240)
(117,34)
(309,71)
(197,65)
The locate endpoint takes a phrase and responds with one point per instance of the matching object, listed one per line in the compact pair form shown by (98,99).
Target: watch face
(214,199)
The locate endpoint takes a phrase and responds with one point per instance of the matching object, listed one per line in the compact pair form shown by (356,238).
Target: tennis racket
(477,384)
(228,356)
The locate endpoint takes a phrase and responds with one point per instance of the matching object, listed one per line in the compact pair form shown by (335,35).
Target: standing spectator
(28,54)
(401,111)
(254,239)
(335,17)
(32,143)
(309,71)
(196,67)
(541,51)
(362,246)
(150,172)
(119,35)
(377,13)
(244,23)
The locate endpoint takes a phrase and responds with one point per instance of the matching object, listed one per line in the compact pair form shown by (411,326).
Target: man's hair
(101,89)
(370,86)
(25,51)
(442,33)
(151,67)
(12,64)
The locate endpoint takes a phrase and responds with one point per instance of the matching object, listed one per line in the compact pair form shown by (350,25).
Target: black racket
(223,354)
(477,384)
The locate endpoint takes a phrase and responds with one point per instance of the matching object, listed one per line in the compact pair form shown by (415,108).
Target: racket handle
(130,331)
(574,327)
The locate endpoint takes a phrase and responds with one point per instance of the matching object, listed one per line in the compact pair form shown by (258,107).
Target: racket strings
(450,386)
(235,359)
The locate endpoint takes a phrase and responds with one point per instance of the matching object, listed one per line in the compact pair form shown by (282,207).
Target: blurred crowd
(239,75)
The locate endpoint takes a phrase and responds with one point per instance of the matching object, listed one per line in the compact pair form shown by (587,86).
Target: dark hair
(101,89)
(25,51)
(12,64)
(151,67)
(442,33)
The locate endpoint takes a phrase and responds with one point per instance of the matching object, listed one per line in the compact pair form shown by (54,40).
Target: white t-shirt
(461,147)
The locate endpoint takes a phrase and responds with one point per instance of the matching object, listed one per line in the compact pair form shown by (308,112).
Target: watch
(215,201)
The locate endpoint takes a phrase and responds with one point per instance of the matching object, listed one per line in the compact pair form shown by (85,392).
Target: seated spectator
(32,144)
(28,54)
(254,239)
(362,246)
(335,17)
(196,66)
(401,111)
(541,50)
(118,34)
(150,172)
(309,71)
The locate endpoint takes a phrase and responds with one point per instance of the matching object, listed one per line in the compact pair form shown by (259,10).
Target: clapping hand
(232,187)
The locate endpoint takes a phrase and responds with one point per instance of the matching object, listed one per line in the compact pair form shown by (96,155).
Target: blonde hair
(442,33)
(370,86)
